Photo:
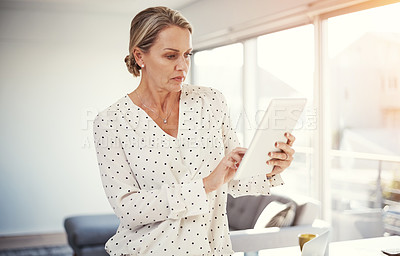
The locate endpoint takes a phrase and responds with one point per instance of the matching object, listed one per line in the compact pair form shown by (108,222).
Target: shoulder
(107,115)
(203,92)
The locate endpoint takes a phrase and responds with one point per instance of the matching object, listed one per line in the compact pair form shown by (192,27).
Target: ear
(138,55)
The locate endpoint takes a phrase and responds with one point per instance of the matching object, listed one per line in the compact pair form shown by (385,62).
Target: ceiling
(115,6)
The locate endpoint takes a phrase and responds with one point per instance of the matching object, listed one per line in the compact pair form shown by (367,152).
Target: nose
(182,64)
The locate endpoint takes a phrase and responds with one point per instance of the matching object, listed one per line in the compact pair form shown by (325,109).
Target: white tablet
(280,117)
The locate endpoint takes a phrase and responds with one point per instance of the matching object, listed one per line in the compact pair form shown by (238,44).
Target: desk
(362,247)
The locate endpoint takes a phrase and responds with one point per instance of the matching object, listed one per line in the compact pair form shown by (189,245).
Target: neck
(156,98)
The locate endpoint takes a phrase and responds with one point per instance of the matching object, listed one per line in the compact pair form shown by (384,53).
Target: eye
(172,56)
(187,55)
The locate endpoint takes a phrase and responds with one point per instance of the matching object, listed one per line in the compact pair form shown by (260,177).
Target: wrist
(207,186)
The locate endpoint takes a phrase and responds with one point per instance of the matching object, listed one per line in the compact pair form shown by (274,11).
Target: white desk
(362,247)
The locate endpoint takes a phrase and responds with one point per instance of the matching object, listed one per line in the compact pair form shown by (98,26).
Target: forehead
(174,37)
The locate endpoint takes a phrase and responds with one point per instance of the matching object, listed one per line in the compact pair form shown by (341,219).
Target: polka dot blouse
(153,181)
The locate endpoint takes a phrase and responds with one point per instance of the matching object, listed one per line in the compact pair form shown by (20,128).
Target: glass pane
(285,69)
(221,68)
(364,77)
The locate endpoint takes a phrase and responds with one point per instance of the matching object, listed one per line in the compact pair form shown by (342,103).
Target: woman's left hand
(281,160)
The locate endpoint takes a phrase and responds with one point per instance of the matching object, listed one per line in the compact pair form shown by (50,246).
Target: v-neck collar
(155,123)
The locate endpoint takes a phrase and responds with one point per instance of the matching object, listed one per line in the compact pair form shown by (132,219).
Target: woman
(167,152)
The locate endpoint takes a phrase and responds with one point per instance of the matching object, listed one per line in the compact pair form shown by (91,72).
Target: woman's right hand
(225,170)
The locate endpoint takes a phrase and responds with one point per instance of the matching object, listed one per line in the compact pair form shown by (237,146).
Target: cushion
(307,212)
(276,214)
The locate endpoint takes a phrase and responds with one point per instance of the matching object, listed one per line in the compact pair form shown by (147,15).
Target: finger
(230,163)
(285,147)
(280,163)
(280,155)
(236,158)
(239,150)
(290,138)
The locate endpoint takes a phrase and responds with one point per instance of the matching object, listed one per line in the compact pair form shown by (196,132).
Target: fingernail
(270,154)
(286,134)
(276,144)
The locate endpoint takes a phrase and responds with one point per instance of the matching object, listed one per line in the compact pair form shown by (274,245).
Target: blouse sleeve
(257,185)
(132,204)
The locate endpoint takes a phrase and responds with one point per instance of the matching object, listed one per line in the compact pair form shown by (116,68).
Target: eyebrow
(175,50)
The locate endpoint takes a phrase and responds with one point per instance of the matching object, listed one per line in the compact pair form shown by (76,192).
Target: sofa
(247,216)
(87,234)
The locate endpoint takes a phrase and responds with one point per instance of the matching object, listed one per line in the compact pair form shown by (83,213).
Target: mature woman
(167,152)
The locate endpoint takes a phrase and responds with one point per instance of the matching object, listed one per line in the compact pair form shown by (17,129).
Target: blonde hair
(146,26)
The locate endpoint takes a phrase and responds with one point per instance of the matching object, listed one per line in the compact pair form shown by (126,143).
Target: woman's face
(168,60)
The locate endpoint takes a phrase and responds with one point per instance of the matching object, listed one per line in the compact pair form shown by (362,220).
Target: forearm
(169,202)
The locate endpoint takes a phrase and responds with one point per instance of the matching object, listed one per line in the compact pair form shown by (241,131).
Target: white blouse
(153,181)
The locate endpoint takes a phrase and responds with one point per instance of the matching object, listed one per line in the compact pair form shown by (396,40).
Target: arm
(133,205)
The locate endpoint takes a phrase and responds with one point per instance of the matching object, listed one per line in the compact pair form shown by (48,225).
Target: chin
(177,87)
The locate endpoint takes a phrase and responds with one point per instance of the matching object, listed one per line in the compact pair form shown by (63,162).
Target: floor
(63,250)
(35,245)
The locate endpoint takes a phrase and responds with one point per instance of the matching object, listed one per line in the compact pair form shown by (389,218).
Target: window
(285,69)
(364,61)
(282,67)
(361,71)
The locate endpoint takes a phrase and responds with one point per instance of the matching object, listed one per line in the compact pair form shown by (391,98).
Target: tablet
(281,116)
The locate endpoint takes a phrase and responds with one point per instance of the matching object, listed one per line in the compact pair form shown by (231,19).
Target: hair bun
(130,64)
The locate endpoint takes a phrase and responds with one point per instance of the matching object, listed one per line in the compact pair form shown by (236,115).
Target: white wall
(57,69)
(61,62)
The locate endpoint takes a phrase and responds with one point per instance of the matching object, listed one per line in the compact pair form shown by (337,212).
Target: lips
(179,78)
